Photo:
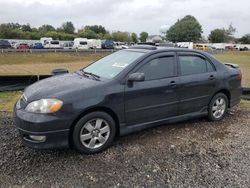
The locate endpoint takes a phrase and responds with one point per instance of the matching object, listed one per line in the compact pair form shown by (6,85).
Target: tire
(94,133)
(217,107)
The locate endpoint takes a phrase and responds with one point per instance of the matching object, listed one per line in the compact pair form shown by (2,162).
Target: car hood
(57,86)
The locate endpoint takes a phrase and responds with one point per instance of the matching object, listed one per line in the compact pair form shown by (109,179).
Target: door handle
(173,84)
(211,77)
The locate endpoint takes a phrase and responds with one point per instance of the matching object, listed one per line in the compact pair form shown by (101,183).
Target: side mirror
(136,77)
(59,71)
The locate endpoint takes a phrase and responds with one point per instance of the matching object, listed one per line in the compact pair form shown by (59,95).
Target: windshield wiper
(96,77)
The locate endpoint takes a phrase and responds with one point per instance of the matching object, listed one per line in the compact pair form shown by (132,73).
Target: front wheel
(94,133)
(218,107)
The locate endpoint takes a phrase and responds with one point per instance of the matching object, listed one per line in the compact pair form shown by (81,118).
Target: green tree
(107,36)
(134,37)
(67,27)
(245,39)
(10,31)
(217,36)
(26,28)
(88,34)
(96,28)
(230,31)
(121,36)
(143,36)
(46,28)
(188,29)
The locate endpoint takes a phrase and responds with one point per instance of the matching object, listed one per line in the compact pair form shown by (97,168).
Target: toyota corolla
(126,91)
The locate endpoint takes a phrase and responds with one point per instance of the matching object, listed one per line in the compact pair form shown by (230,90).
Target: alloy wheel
(95,133)
(219,107)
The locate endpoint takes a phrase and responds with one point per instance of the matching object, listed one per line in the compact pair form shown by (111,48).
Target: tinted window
(158,68)
(192,65)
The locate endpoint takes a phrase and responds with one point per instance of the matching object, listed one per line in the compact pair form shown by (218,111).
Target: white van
(45,39)
(53,44)
(80,43)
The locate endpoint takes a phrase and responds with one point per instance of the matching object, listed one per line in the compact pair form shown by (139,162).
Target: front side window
(113,64)
(158,68)
(192,65)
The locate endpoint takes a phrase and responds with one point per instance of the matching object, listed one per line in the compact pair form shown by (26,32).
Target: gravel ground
(195,153)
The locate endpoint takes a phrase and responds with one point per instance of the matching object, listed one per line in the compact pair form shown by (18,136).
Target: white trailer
(218,46)
(94,43)
(53,44)
(80,43)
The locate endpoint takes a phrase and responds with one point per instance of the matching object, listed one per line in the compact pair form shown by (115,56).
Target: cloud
(128,15)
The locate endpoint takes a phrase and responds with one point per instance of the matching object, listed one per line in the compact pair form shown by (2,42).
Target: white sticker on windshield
(120,65)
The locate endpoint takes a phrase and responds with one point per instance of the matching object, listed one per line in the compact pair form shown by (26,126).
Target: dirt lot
(195,153)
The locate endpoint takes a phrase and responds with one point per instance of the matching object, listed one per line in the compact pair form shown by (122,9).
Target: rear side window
(158,68)
(194,65)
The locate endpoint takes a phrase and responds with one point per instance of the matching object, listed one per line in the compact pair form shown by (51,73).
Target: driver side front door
(155,98)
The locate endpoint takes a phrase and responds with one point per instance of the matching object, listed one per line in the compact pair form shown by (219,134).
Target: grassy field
(8,99)
(240,58)
(43,63)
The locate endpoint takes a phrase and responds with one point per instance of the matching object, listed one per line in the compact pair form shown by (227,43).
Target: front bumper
(55,129)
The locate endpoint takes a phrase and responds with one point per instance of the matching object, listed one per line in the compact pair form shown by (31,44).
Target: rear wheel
(218,107)
(94,133)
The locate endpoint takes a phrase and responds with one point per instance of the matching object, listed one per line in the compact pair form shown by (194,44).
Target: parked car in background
(120,45)
(22,46)
(13,44)
(37,46)
(126,91)
(107,44)
(4,44)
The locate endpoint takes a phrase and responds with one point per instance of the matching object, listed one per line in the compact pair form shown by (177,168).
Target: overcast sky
(128,15)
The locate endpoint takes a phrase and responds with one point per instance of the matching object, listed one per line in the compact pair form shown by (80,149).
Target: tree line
(66,31)
(187,29)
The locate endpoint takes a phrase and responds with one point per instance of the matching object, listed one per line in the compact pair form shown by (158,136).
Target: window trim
(195,55)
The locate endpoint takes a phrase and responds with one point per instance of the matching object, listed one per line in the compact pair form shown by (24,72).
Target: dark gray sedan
(127,91)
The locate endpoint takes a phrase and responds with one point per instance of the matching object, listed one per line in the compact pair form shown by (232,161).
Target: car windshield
(111,65)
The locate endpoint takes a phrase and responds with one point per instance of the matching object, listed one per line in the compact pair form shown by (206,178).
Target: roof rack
(144,47)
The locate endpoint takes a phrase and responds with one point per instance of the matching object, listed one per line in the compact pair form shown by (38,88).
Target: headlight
(44,106)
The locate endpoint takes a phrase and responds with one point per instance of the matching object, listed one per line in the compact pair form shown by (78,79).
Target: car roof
(151,49)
